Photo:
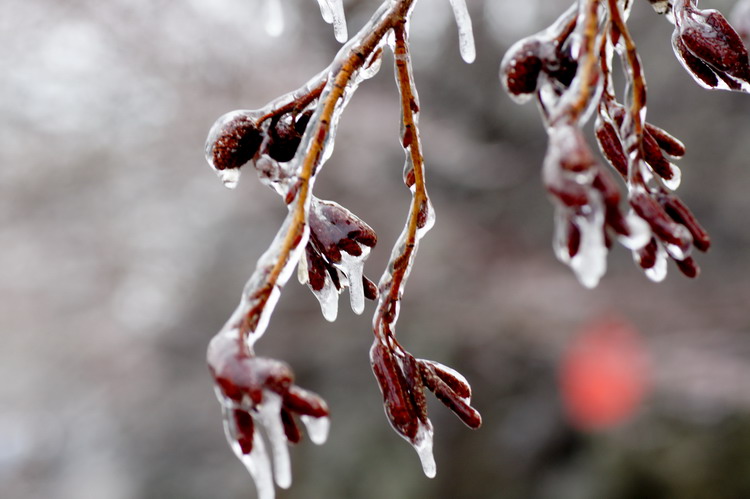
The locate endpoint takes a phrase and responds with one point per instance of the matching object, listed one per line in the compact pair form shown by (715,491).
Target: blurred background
(121,254)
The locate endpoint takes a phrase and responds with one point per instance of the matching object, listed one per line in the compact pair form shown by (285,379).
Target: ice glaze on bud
(519,70)
(233,143)
(709,48)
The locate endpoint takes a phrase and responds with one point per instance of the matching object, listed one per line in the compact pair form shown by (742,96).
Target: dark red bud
(291,430)
(243,422)
(304,402)
(520,68)
(611,147)
(688,267)
(667,142)
(237,144)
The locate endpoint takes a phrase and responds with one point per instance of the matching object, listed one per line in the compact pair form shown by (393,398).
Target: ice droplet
(640,232)
(658,272)
(270,415)
(673,183)
(274,18)
(328,297)
(229,177)
(423,445)
(465,32)
(317,428)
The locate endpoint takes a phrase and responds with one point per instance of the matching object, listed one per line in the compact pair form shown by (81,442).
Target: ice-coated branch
(559,67)
(401,377)
(287,142)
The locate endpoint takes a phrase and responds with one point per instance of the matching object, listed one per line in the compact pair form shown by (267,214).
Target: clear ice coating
(270,416)
(423,445)
(317,428)
(353,268)
(673,183)
(256,462)
(333,13)
(658,271)
(640,232)
(465,33)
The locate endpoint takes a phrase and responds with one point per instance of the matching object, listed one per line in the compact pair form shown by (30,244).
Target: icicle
(328,298)
(333,13)
(274,18)
(270,415)
(590,263)
(257,462)
(465,33)
(325,11)
(317,428)
(423,445)
(353,268)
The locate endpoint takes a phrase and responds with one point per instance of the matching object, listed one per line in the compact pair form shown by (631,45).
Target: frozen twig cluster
(568,70)
(288,142)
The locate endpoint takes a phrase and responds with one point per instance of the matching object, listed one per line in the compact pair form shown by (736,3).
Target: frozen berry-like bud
(709,36)
(235,143)
(519,70)
(284,139)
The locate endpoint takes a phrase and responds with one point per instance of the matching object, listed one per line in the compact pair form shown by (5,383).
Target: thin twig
(395,277)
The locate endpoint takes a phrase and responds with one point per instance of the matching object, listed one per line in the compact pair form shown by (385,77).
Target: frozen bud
(291,430)
(700,71)
(653,155)
(679,212)
(232,142)
(688,267)
(284,139)
(336,229)
(708,36)
(239,375)
(569,166)
(667,142)
(305,403)
(244,430)
(664,227)
(519,70)
(393,385)
(452,400)
(611,146)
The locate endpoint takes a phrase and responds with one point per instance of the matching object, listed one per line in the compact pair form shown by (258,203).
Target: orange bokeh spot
(604,375)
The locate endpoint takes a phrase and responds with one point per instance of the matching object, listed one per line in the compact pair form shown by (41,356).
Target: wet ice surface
(465,32)
(333,13)
(423,445)
(317,428)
